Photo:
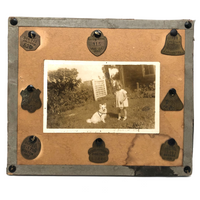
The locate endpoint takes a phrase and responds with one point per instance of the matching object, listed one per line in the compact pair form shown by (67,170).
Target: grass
(141,115)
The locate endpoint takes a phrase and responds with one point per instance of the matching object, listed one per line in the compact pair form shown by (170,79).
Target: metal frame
(90,169)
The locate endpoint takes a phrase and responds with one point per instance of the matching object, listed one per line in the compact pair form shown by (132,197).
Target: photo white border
(156,130)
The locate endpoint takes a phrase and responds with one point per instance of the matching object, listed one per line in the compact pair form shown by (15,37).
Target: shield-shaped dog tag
(30,99)
(97,43)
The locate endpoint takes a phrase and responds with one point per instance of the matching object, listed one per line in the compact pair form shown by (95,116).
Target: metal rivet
(97,33)
(99,141)
(30,88)
(172,92)
(171,142)
(13,21)
(12,168)
(187,169)
(32,139)
(31,34)
(188,24)
(173,32)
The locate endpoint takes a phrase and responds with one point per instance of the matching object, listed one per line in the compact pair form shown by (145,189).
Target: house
(134,76)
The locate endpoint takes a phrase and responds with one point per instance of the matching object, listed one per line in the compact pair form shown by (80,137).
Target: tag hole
(172,92)
(31,34)
(173,32)
(97,33)
(32,139)
(99,141)
(171,142)
(30,88)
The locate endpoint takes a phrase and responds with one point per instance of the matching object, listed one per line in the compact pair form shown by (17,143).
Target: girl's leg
(125,114)
(119,113)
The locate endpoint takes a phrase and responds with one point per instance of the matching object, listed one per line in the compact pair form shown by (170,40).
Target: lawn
(141,115)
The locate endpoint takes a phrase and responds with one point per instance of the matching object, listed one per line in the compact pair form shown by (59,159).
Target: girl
(121,100)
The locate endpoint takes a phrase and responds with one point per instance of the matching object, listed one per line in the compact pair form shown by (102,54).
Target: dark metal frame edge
(98,170)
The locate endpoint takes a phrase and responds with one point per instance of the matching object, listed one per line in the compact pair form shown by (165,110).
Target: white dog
(99,115)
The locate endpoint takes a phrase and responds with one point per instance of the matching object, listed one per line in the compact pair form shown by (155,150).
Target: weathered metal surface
(169,150)
(171,102)
(31,99)
(30,40)
(98,153)
(173,44)
(97,43)
(102,23)
(30,147)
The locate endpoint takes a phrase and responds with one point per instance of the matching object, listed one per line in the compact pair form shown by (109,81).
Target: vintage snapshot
(101,97)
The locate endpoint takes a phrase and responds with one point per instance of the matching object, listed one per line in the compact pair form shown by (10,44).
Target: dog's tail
(88,121)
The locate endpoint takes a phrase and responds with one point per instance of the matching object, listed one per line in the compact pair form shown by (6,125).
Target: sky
(87,70)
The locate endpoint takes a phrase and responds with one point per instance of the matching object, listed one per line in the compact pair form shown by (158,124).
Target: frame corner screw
(13,21)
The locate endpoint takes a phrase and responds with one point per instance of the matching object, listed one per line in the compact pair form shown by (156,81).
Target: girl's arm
(125,96)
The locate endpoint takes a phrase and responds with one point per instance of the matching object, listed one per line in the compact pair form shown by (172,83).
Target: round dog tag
(30,147)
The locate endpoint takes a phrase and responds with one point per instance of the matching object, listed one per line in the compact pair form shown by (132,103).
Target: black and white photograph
(104,97)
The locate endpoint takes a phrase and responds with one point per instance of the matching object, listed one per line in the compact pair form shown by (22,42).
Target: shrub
(145,91)
(65,91)
(69,99)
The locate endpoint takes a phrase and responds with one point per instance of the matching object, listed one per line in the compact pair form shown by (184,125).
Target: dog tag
(98,153)
(30,99)
(171,102)
(97,43)
(30,40)
(30,147)
(173,44)
(169,150)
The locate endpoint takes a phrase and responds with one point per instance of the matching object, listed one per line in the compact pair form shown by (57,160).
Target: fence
(99,88)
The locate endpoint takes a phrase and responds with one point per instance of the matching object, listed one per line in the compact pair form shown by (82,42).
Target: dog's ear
(104,104)
(100,105)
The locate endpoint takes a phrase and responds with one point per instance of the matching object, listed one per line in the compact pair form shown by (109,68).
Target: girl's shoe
(124,118)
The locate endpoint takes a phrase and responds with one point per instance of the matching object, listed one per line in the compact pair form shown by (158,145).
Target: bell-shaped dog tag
(169,150)
(98,153)
(173,44)
(97,43)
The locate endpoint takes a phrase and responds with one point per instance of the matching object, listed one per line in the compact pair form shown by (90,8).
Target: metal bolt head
(97,33)
(12,168)
(173,32)
(188,24)
(172,92)
(13,21)
(30,88)
(171,142)
(187,169)
(31,34)
(33,139)
(99,141)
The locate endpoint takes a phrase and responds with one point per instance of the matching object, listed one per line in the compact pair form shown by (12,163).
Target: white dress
(120,95)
